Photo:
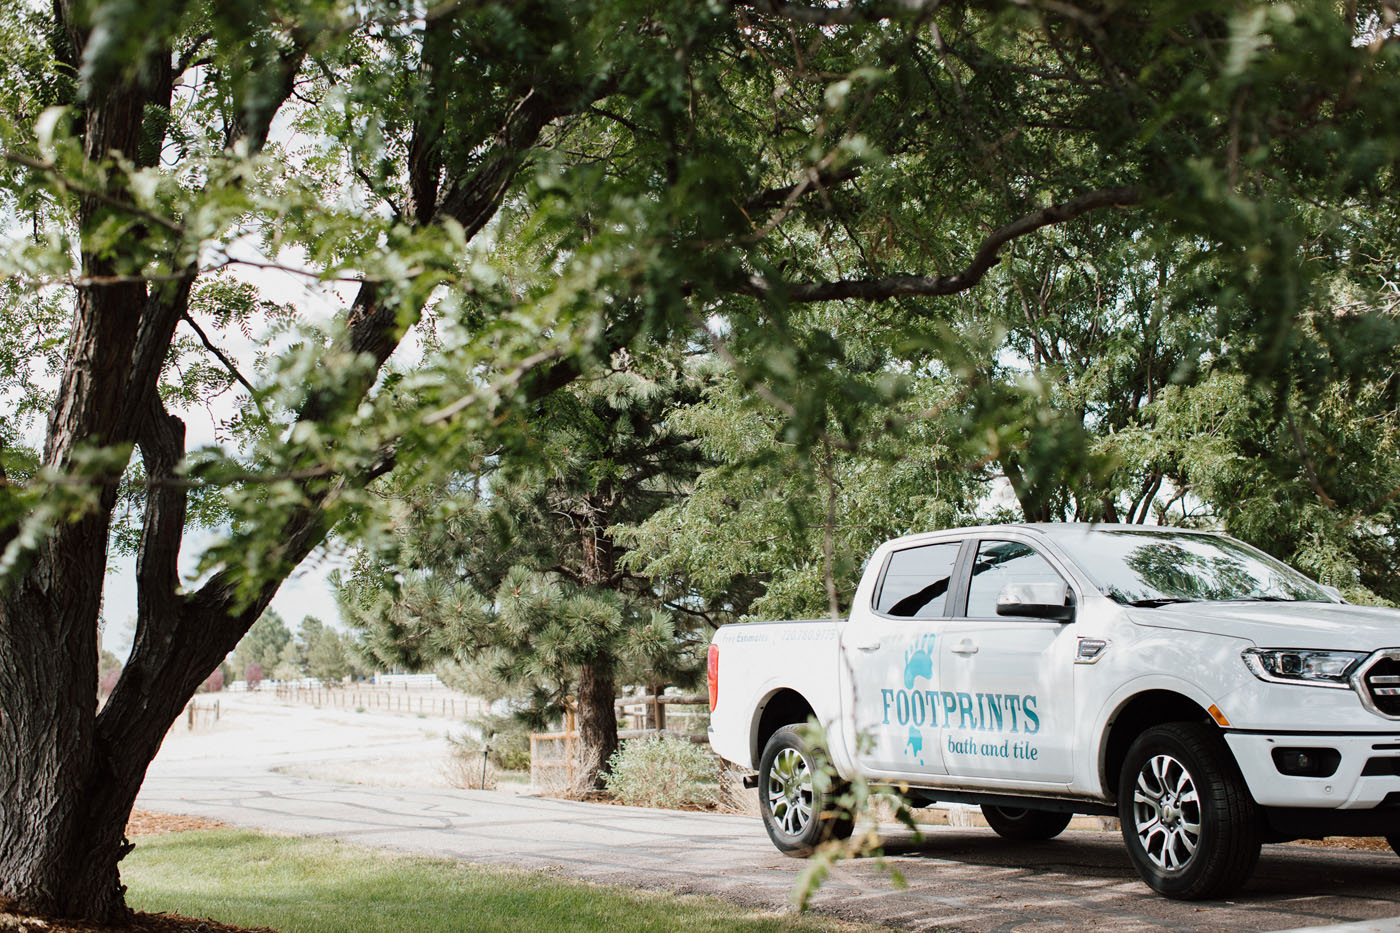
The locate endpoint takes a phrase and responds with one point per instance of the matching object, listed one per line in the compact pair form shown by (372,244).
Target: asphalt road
(957,879)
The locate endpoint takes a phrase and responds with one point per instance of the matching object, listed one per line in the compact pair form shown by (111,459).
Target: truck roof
(1064,529)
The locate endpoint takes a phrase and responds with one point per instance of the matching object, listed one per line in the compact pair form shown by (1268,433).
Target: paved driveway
(958,879)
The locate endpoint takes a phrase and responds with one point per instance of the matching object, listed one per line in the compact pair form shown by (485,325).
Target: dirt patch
(1366,843)
(12,921)
(146,823)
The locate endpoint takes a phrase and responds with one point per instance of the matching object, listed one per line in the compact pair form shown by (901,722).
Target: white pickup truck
(1206,694)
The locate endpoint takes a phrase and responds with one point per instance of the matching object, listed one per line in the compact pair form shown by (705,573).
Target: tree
(325,651)
(253,675)
(1310,479)
(524,579)
(264,643)
(291,663)
(776,529)
(536,188)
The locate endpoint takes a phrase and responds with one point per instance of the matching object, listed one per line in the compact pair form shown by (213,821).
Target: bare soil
(1367,843)
(12,922)
(146,823)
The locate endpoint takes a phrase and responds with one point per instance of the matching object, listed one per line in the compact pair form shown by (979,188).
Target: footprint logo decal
(918,661)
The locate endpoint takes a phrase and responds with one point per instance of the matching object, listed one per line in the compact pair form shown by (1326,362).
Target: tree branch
(509,380)
(903,286)
(861,11)
(228,363)
(133,713)
(774,198)
(1306,458)
(473,200)
(63,183)
(7,532)
(162,441)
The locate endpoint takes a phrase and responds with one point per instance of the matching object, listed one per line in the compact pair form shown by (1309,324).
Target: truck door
(889,650)
(1006,698)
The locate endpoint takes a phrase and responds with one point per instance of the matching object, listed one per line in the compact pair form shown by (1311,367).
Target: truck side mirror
(1036,601)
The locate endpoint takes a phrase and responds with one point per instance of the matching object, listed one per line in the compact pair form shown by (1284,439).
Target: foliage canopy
(1075,228)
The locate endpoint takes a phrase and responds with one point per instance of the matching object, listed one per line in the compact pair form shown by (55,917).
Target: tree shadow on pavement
(1284,871)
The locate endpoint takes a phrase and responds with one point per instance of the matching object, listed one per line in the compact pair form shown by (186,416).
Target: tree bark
(597,692)
(63,802)
(1033,497)
(50,838)
(597,722)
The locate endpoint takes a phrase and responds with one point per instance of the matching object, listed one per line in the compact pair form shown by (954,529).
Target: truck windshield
(1154,568)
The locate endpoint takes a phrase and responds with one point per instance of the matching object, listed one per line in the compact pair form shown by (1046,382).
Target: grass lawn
(315,886)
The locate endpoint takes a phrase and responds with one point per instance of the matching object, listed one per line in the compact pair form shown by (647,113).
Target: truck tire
(1191,827)
(796,813)
(1024,824)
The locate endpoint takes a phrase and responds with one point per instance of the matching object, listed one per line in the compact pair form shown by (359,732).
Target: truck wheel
(795,813)
(1024,824)
(1191,827)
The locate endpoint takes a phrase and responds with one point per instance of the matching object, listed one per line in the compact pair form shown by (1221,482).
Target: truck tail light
(712,676)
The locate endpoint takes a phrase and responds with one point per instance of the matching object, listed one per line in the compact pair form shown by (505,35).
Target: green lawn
(313,886)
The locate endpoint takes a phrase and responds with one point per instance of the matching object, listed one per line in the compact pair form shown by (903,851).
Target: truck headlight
(1303,665)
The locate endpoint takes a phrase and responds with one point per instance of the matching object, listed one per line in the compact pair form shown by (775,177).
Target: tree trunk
(597,716)
(597,723)
(62,815)
(1034,497)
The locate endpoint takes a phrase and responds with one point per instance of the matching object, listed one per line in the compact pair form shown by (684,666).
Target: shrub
(508,739)
(108,682)
(253,674)
(215,683)
(664,771)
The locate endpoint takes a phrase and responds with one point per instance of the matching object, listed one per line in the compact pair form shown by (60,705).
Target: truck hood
(1282,625)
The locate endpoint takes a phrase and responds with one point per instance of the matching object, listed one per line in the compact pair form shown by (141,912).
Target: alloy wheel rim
(790,791)
(1167,813)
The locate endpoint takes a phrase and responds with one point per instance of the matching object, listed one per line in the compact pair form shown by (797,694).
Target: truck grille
(1381,681)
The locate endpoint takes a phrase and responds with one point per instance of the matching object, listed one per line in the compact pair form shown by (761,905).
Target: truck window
(916,581)
(999,563)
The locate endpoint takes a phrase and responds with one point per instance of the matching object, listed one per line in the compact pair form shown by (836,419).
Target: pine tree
(519,575)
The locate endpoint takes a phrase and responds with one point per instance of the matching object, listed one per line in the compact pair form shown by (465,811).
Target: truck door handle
(866,646)
(964,647)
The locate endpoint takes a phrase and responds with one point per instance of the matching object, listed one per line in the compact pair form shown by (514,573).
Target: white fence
(410,681)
